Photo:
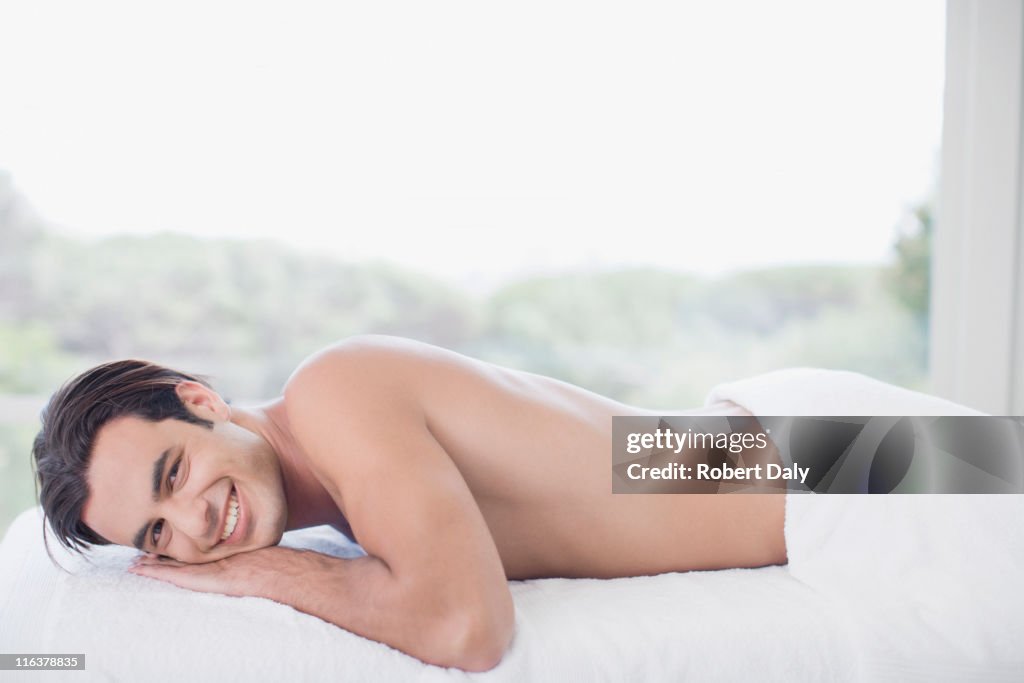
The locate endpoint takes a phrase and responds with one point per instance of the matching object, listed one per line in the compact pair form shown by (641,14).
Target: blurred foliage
(245,313)
(909,277)
(17,491)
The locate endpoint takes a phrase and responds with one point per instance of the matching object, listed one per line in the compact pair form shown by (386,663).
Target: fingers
(195,577)
(151,560)
(171,575)
(163,570)
(149,572)
(141,570)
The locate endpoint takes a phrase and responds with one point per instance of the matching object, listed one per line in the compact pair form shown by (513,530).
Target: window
(642,198)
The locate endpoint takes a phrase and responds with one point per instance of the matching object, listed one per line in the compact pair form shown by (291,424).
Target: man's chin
(246,549)
(274,538)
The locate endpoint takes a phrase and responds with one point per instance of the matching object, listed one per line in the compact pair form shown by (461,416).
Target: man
(454,475)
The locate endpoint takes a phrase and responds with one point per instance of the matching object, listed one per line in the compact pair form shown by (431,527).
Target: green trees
(246,312)
(908,279)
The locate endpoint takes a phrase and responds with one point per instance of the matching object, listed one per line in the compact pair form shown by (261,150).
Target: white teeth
(232,518)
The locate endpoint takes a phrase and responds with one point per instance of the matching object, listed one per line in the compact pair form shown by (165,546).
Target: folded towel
(814,391)
(931,583)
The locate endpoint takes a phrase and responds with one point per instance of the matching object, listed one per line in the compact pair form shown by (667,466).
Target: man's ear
(202,401)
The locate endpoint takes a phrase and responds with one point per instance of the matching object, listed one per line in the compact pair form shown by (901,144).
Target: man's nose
(192,515)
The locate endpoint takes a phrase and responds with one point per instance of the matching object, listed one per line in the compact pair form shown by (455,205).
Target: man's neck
(309,503)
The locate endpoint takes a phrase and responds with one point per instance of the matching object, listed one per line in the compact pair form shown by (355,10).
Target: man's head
(138,454)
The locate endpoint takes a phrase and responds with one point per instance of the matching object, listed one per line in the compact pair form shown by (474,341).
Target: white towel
(732,625)
(814,391)
(931,583)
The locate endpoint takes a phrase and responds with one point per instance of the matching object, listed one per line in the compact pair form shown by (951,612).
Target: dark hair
(72,418)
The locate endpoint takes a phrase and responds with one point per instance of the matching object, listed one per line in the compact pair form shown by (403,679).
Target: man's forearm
(362,596)
(432,623)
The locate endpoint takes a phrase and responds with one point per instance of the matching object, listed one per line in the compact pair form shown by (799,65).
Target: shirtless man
(453,474)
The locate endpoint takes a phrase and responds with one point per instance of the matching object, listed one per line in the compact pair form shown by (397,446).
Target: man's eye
(157,528)
(173,474)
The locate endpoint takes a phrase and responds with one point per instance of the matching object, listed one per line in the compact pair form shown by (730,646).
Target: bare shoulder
(351,352)
(364,389)
(376,365)
(353,408)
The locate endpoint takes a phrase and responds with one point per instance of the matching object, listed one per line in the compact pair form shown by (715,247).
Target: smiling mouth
(231,519)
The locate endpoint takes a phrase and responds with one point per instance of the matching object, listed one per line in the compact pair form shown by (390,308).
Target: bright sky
(476,139)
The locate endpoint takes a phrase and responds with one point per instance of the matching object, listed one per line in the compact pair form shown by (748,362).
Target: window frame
(977,313)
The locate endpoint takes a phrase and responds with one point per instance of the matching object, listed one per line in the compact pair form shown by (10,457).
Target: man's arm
(433,584)
(355,594)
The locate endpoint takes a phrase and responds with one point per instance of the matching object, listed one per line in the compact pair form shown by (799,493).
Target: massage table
(897,587)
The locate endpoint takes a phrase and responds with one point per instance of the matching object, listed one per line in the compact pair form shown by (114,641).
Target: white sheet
(738,624)
(931,584)
(879,588)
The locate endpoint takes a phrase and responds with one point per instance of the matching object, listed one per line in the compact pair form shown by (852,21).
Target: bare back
(536,455)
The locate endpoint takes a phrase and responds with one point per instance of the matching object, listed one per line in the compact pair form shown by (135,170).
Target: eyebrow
(158,477)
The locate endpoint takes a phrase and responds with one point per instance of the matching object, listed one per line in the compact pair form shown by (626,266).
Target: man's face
(208,482)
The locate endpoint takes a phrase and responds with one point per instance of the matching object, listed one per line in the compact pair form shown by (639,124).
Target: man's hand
(255,573)
(358,594)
